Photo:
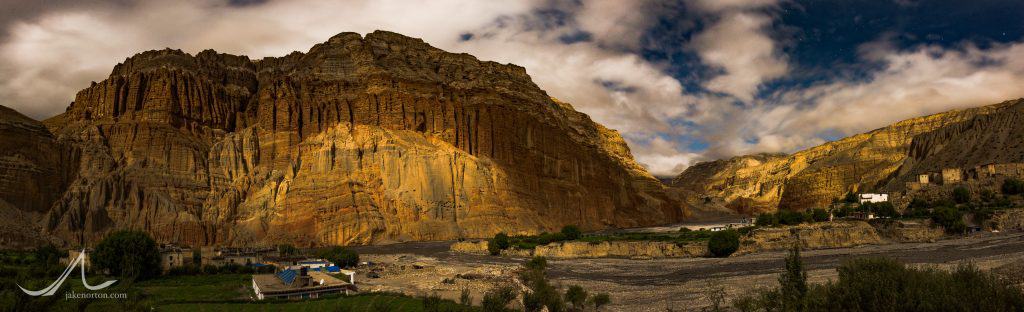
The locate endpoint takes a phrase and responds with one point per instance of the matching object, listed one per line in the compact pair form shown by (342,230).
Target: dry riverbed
(679,284)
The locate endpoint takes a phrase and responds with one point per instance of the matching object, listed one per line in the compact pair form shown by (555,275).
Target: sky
(683,81)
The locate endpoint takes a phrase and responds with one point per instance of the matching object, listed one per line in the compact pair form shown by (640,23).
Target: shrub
(498,243)
(129,254)
(819,215)
(1013,186)
(498,298)
(340,256)
(465,298)
(571,232)
(724,243)
(599,300)
(577,296)
(961,195)
(881,284)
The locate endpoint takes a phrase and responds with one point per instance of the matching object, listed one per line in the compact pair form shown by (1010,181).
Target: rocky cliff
(359,140)
(32,177)
(993,138)
(815,176)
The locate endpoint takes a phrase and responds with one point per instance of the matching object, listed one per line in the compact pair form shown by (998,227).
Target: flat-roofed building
(300,284)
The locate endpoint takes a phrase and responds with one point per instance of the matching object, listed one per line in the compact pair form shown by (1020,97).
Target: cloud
(737,43)
(920,81)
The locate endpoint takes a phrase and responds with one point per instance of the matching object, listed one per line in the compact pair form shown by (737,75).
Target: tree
(883,209)
(46,255)
(724,243)
(542,294)
(793,282)
(577,296)
(571,232)
(850,197)
(961,195)
(286,250)
(949,218)
(790,217)
(498,243)
(498,298)
(340,256)
(197,257)
(1013,186)
(129,254)
(600,300)
(766,219)
(819,215)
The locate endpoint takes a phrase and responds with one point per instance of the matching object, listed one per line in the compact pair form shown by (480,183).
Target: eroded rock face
(359,140)
(813,177)
(32,176)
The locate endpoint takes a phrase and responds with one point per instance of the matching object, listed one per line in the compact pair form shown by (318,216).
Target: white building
(873,198)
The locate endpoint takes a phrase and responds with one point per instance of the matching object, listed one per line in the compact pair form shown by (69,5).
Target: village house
(173,256)
(300,284)
(227,256)
(73,253)
(872,198)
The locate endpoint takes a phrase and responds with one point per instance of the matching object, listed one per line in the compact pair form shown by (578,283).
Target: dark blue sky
(821,38)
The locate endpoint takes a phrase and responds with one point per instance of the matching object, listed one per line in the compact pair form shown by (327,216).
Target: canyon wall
(359,140)
(816,176)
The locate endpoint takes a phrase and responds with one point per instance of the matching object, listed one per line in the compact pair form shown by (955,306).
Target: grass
(198,288)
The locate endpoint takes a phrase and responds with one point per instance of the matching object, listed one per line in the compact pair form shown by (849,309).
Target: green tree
(850,197)
(724,243)
(600,300)
(1013,186)
(129,254)
(286,250)
(197,257)
(498,243)
(790,217)
(949,218)
(766,219)
(961,195)
(883,209)
(793,282)
(340,256)
(576,296)
(571,232)
(47,255)
(542,294)
(819,215)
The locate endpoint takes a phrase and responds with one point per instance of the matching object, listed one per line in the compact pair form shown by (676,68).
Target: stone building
(951,175)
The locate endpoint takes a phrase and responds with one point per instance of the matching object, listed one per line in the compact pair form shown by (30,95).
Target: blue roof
(333,268)
(287,276)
